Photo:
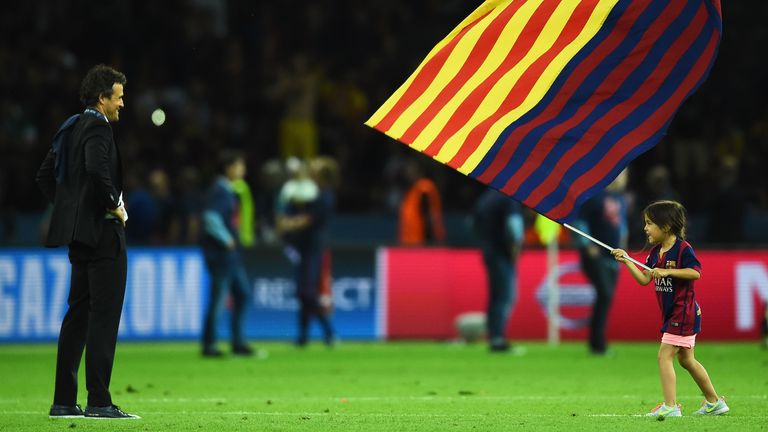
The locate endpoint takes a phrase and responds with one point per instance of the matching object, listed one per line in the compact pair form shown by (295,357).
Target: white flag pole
(553,294)
(604,245)
(548,231)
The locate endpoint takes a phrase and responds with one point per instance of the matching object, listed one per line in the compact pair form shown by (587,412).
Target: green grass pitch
(396,386)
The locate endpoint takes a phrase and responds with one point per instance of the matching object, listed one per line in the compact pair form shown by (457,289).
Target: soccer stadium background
(228,74)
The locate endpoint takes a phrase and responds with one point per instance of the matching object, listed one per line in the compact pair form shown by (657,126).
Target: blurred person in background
(325,171)
(498,225)
(272,175)
(306,204)
(659,185)
(604,216)
(160,188)
(221,247)
(728,204)
(421,209)
(297,88)
(245,199)
(654,184)
(765,327)
(6,212)
(82,176)
(189,207)
(143,207)
(152,208)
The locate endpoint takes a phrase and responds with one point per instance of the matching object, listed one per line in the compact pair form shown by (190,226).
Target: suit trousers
(96,294)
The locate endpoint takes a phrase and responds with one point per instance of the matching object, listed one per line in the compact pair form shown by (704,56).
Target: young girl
(674,268)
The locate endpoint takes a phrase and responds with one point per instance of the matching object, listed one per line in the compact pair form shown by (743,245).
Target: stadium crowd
(276,79)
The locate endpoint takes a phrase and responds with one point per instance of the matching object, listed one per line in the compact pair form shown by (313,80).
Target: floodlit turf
(390,386)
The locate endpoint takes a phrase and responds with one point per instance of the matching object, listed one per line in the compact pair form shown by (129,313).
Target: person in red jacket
(421,210)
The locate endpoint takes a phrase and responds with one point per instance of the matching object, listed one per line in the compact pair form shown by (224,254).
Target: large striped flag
(548,100)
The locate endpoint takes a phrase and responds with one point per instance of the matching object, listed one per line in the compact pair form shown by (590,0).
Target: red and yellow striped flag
(549,100)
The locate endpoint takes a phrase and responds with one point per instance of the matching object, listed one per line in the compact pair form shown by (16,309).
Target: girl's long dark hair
(668,213)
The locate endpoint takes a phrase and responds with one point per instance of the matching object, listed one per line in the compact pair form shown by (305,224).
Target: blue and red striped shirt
(680,314)
(548,100)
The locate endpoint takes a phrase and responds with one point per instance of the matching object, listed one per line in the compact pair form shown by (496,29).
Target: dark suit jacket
(93,182)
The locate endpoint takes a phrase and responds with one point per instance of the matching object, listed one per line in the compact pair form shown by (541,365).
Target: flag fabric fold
(549,100)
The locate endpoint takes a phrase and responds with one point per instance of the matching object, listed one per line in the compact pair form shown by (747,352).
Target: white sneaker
(715,408)
(663,411)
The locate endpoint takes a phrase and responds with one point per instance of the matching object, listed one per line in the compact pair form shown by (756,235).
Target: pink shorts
(679,341)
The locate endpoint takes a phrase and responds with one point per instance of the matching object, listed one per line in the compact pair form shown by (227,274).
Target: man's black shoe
(108,412)
(242,350)
(65,411)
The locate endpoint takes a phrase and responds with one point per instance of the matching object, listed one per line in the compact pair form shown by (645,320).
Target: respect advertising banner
(385,293)
(273,313)
(167,293)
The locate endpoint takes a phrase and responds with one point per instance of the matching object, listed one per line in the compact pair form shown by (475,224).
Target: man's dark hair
(98,82)
(228,157)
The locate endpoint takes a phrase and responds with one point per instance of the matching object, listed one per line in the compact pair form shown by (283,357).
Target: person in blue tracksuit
(221,248)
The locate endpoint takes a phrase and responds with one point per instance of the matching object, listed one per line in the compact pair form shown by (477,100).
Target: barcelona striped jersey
(680,314)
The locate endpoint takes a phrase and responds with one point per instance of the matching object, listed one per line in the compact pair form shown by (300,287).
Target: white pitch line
(148,415)
(427,398)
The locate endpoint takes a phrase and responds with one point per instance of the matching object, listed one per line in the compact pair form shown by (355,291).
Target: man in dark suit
(82,176)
